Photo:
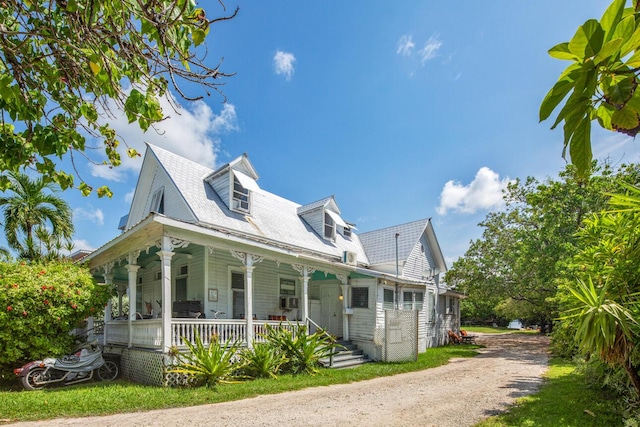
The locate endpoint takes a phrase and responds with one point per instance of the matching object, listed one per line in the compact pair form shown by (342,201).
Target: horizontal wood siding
(362,322)
(316,220)
(419,262)
(266,285)
(221,186)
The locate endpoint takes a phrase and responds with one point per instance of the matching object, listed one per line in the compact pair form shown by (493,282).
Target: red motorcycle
(71,369)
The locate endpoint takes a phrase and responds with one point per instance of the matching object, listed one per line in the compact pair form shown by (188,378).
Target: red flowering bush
(39,306)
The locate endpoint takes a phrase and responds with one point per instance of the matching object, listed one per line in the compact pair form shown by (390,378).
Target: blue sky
(401,110)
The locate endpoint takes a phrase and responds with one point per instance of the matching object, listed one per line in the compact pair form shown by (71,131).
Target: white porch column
(132,269)
(249,260)
(305,272)
(345,303)
(248,301)
(108,281)
(165,257)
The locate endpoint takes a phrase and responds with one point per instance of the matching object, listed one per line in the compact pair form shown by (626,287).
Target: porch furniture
(187,309)
(454,338)
(466,338)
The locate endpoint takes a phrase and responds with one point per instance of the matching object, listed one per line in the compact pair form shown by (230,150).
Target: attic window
(346,232)
(157,201)
(240,201)
(329,226)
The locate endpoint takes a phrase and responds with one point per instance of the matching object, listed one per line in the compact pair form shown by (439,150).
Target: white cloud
(484,192)
(81,244)
(405,45)
(430,49)
(283,63)
(96,215)
(191,132)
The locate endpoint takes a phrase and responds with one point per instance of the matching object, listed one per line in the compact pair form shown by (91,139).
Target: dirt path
(458,394)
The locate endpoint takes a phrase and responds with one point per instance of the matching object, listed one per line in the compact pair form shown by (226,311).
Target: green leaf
(104,191)
(632,44)
(633,61)
(604,113)
(626,118)
(611,50)
(198,36)
(85,189)
(561,51)
(580,147)
(554,97)
(587,40)
(95,68)
(621,90)
(611,17)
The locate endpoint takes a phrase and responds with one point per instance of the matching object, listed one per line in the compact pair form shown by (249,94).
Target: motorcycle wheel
(109,371)
(34,380)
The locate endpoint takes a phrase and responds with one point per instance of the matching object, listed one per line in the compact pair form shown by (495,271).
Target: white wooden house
(210,251)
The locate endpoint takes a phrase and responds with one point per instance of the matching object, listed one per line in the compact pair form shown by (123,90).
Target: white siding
(315,219)
(362,322)
(222,187)
(419,261)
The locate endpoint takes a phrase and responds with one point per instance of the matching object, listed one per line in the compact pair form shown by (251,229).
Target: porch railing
(225,329)
(147,333)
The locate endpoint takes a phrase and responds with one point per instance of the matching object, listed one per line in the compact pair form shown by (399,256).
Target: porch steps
(346,356)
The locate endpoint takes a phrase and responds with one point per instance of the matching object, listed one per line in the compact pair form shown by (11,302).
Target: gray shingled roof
(380,245)
(272,216)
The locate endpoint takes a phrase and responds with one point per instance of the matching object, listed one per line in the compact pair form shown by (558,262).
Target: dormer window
(240,199)
(346,231)
(157,201)
(329,226)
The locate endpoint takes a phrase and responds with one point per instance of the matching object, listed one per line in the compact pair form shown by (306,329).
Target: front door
(331,310)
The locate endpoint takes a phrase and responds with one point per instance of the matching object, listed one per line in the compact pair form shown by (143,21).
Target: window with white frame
(240,200)
(412,300)
(450,305)
(431,306)
(329,226)
(388,301)
(157,201)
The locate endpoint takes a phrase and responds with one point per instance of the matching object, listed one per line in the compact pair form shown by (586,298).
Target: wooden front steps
(346,356)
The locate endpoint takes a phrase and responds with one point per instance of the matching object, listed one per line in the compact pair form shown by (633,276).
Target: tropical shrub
(40,304)
(302,350)
(209,365)
(264,360)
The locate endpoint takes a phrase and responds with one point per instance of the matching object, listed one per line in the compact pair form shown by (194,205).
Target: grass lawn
(102,398)
(563,401)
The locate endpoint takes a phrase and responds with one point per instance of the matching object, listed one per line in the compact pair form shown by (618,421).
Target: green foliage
(600,84)
(62,63)
(40,304)
(563,400)
(603,300)
(30,209)
(209,365)
(513,270)
(263,360)
(603,325)
(302,350)
(100,398)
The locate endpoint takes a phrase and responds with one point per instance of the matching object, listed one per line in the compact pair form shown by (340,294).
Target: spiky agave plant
(302,350)
(209,365)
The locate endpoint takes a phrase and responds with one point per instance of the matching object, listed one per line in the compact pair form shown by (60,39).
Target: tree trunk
(632,372)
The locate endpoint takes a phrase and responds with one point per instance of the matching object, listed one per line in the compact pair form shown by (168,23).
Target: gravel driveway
(460,393)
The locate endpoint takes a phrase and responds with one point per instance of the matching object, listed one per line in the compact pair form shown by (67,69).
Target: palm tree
(32,206)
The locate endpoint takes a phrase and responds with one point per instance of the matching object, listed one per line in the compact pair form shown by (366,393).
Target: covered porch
(209,281)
